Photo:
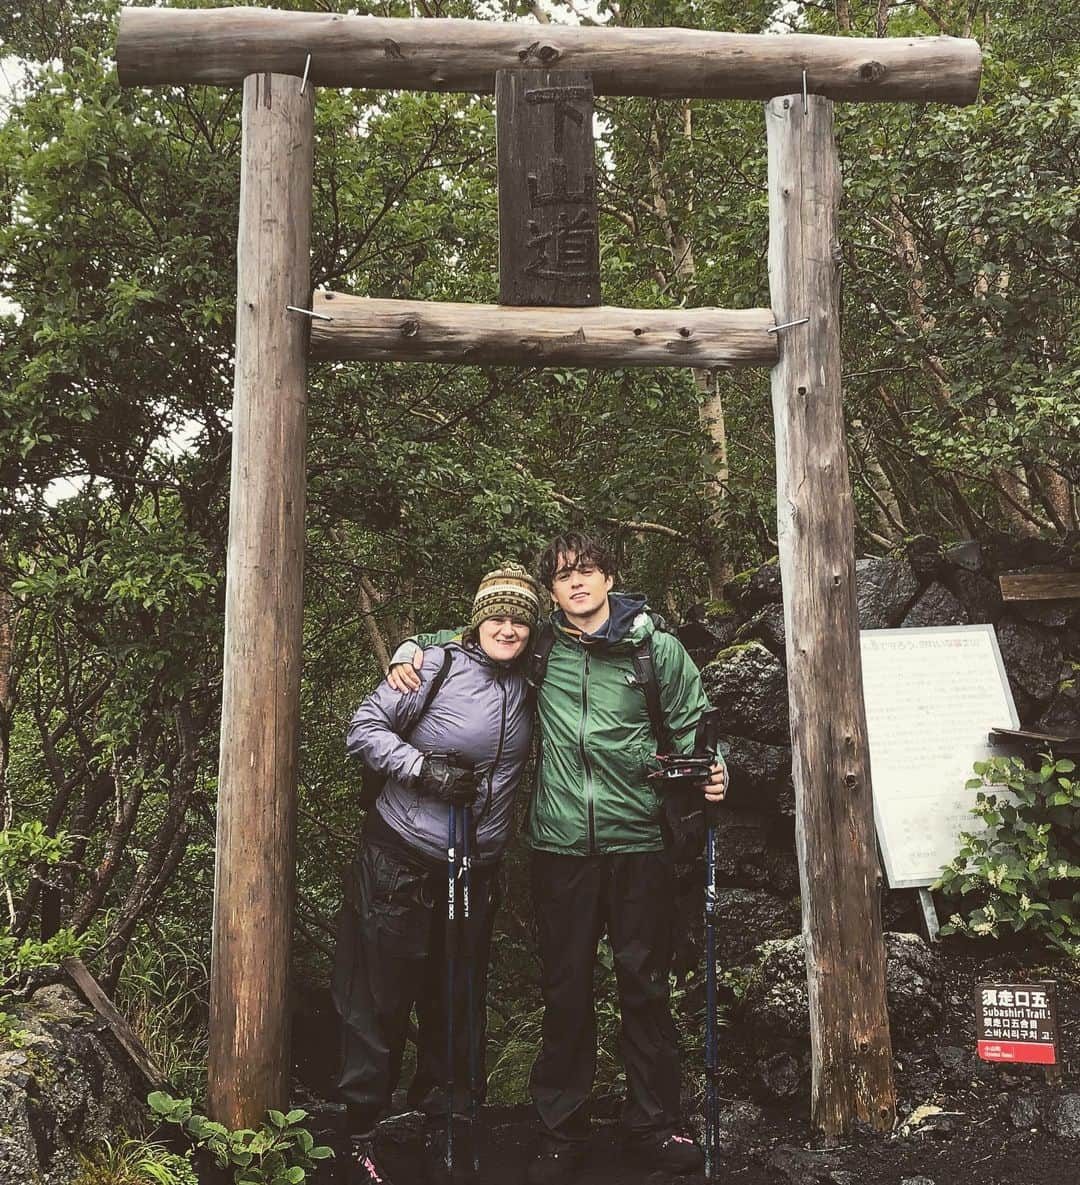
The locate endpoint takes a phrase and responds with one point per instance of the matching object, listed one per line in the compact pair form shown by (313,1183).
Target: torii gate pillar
(834,820)
(254,884)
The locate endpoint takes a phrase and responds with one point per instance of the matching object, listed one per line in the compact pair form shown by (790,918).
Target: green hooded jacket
(596,742)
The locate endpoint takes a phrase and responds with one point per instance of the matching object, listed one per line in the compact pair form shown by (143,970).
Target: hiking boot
(674,1154)
(555,1165)
(363,1165)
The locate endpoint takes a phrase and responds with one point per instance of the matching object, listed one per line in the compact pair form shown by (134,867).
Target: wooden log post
(220,46)
(1039,586)
(93,994)
(363,328)
(255,870)
(845,956)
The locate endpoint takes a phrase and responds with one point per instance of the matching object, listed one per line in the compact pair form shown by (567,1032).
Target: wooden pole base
(255,870)
(834,825)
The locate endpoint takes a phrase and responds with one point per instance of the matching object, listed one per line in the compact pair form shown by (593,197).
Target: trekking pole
(470,982)
(708,745)
(677,776)
(712,1098)
(677,773)
(451,968)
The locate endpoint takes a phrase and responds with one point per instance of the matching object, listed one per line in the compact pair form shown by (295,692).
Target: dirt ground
(960,1119)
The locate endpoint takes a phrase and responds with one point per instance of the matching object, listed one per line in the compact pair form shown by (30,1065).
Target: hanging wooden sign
(549,247)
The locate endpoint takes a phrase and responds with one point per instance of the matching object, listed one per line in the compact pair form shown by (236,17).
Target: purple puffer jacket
(482,713)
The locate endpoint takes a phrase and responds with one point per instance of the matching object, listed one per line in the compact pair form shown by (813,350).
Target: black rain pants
(576,898)
(391,954)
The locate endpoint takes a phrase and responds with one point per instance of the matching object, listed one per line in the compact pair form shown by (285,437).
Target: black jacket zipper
(589,796)
(501,680)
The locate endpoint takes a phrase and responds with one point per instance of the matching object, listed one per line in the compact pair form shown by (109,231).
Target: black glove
(439,779)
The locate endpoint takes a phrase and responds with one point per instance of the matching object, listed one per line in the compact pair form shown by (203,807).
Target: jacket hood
(628,622)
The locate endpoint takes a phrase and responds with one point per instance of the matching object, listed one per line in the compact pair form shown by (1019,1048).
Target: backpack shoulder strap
(660,622)
(437,680)
(538,660)
(645,678)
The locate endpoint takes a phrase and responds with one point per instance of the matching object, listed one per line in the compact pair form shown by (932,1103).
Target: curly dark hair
(581,547)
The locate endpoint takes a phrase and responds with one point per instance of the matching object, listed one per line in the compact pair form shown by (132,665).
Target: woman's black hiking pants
(391,954)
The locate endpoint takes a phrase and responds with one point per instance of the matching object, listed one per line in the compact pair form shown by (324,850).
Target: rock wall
(739,645)
(62,1090)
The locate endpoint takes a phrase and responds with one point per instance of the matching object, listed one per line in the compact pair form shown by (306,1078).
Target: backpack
(682,818)
(371,781)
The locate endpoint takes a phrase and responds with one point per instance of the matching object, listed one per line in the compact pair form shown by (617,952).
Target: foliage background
(117,225)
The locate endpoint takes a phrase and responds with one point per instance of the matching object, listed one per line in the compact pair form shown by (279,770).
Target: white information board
(932,696)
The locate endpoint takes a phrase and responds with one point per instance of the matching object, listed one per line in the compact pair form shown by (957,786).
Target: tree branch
(636,525)
(369,597)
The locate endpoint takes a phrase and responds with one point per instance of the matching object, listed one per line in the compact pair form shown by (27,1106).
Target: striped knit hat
(508,591)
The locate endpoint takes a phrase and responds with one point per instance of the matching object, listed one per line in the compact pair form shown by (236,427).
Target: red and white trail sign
(1016,1022)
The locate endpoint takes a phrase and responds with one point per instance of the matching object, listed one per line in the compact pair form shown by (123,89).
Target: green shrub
(162,993)
(12,1033)
(24,850)
(1019,874)
(514,1042)
(279,1152)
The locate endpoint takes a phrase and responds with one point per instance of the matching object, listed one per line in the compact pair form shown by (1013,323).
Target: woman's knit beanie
(508,591)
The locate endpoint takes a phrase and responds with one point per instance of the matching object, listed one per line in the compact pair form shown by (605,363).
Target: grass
(163,993)
(134,1162)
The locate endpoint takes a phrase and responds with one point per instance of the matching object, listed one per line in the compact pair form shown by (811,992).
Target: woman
(461,740)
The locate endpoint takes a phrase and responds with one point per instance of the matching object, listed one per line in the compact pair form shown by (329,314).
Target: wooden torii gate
(279,58)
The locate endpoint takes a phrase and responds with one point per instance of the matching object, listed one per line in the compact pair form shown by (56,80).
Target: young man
(598,857)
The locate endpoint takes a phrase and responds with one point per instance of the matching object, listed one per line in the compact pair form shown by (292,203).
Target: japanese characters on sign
(932,696)
(548,237)
(1016,1022)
